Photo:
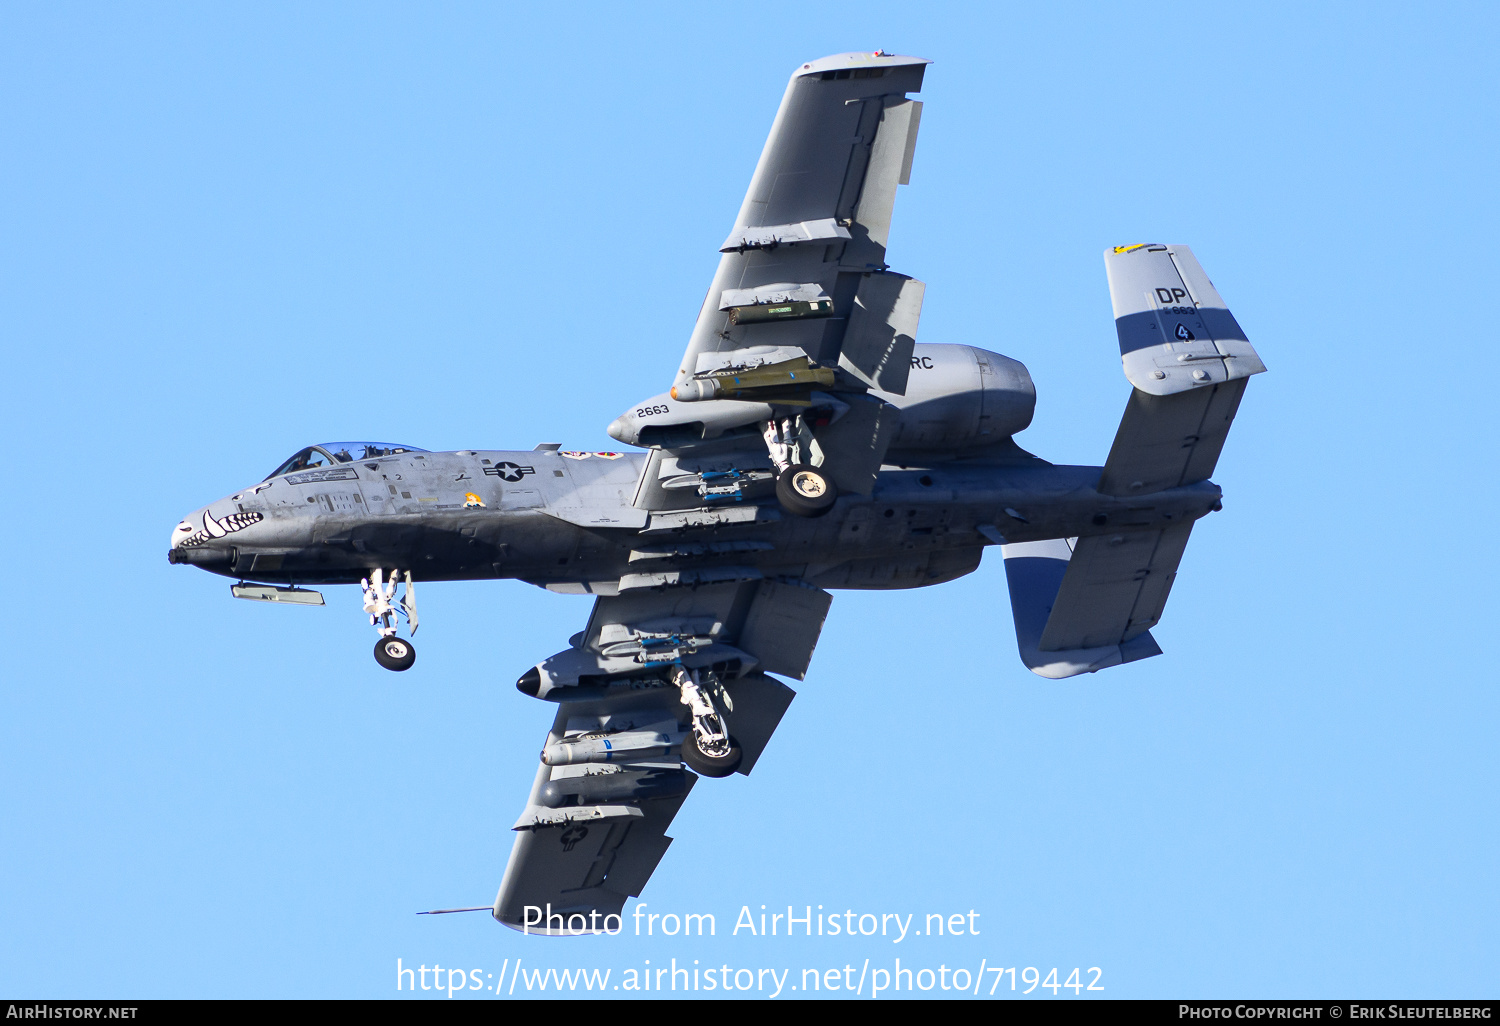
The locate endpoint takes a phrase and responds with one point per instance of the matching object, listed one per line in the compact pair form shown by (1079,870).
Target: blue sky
(235,229)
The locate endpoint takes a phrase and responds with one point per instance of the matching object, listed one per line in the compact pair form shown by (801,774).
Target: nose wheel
(395,654)
(390,651)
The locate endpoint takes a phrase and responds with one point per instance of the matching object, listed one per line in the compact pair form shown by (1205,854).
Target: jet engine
(957,397)
(961,397)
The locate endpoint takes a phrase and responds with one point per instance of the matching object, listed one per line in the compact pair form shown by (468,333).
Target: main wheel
(806,491)
(700,761)
(395,654)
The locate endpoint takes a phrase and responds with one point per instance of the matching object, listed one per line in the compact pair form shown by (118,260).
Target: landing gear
(395,654)
(803,488)
(806,491)
(390,651)
(707,749)
(721,763)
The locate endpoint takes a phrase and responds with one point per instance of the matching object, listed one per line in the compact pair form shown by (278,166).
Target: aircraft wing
(611,779)
(803,298)
(810,237)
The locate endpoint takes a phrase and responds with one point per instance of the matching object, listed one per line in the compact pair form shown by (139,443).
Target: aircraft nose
(181,533)
(623,429)
(186,544)
(198,538)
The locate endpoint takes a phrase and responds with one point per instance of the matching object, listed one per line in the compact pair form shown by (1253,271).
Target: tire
(395,653)
(806,491)
(706,765)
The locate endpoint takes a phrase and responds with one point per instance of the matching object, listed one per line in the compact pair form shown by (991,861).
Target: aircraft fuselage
(566,521)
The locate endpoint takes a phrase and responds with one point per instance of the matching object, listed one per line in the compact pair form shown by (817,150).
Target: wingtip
(856,60)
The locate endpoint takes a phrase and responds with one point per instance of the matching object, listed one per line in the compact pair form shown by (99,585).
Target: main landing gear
(803,489)
(390,651)
(707,749)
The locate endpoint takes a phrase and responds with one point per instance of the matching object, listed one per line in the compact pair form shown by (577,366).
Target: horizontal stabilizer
(1167,441)
(1115,589)
(1094,626)
(1189,362)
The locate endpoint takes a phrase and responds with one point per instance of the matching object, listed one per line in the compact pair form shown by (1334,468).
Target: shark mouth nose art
(213,528)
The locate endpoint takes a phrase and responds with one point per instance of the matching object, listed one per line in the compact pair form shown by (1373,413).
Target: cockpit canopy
(330,454)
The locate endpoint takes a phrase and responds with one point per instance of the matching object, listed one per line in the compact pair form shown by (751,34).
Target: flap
(882,331)
(854,446)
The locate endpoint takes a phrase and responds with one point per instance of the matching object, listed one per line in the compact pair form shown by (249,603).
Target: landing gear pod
(806,491)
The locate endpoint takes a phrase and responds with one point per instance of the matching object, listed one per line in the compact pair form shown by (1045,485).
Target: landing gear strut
(707,749)
(803,489)
(390,651)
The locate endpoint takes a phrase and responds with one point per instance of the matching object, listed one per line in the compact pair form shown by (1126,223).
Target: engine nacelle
(957,397)
(960,397)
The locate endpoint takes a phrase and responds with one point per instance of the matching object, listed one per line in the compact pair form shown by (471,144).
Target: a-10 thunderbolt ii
(807,443)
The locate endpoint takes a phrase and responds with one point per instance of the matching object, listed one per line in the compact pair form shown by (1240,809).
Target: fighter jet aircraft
(807,442)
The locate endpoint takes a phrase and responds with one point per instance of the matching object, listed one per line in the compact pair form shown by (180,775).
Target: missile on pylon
(790,381)
(624,745)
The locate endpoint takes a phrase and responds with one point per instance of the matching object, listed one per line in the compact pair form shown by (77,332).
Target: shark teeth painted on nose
(219,528)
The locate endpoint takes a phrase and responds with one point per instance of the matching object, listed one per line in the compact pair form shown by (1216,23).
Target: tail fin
(1088,605)
(1188,360)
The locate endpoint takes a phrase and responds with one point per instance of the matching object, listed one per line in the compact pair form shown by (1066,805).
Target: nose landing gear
(395,654)
(390,651)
